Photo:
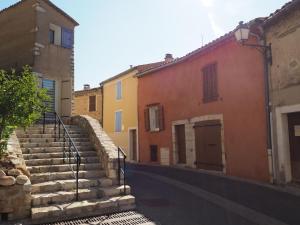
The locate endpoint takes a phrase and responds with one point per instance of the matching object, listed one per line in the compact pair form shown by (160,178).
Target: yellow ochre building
(120,117)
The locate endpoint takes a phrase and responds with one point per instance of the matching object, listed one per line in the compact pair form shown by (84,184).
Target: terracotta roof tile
(280,12)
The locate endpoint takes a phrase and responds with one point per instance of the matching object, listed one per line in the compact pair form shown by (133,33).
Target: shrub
(22,102)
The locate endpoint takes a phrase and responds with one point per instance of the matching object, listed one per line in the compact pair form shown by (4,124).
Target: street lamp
(242,35)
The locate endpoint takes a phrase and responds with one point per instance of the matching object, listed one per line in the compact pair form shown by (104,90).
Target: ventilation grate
(124,218)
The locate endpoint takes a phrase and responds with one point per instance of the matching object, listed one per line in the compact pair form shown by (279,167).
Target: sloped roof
(286,8)
(187,56)
(46,1)
(140,68)
(83,92)
(204,48)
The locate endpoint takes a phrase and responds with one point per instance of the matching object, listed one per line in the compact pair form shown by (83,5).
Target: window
(67,38)
(61,36)
(118,90)
(154,118)
(92,103)
(118,121)
(49,85)
(210,83)
(51,36)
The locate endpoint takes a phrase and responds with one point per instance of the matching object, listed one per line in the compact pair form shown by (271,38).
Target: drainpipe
(268,60)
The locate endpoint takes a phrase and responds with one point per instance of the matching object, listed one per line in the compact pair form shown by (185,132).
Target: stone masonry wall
(15,185)
(106,149)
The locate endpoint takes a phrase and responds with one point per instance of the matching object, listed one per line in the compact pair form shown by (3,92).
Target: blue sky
(114,34)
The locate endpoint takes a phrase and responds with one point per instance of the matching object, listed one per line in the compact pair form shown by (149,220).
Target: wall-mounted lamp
(242,35)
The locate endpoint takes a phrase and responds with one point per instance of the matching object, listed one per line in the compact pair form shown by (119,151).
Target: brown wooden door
(208,145)
(180,143)
(133,140)
(294,138)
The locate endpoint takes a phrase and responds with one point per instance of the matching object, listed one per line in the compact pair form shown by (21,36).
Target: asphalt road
(168,205)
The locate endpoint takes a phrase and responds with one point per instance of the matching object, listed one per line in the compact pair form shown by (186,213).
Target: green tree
(22,102)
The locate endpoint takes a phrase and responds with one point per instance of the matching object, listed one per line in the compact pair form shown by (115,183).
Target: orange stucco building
(206,110)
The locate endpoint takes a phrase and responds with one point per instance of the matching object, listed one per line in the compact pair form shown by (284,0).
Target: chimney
(86,87)
(169,58)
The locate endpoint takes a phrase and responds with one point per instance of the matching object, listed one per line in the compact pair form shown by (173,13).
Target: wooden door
(133,144)
(180,143)
(294,138)
(208,145)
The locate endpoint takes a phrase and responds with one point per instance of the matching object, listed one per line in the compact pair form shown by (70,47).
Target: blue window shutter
(67,38)
(118,121)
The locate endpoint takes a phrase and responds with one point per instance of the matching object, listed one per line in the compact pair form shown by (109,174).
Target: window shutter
(210,83)
(161,117)
(92,103)
(214,82)
(147,119)
(67,38)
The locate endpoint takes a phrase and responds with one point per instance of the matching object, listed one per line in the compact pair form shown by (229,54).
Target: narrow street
(168,205)
(182,201)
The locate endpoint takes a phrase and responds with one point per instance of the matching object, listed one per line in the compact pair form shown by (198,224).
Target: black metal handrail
(122,171)
(67,142)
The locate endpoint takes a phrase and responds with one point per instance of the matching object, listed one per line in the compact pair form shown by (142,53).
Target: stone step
(68,185)
(115,190)
(48,131)
(59,161)
(54,149)
(83,174)
(49,140)
(57,155)
(62,168)
(44,199)
(83,135)
(84,208)
(53,144)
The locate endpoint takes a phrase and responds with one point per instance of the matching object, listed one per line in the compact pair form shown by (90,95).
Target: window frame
(157,123)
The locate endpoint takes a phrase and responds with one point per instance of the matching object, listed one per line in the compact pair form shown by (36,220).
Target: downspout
(267,60)
(102,95)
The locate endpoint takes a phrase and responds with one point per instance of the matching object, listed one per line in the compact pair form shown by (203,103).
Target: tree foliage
(22,102)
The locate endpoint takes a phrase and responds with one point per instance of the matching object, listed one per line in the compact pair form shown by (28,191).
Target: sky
(114,34)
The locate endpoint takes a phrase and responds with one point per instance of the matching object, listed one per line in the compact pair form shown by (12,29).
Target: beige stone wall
(15,186)
(106,149)
(24,38)
(285,70)
(81,103)
(17,36)
(52,61)
(284,35)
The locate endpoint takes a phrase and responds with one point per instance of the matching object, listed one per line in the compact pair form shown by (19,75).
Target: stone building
(39,34)
(282,30)
(89,102)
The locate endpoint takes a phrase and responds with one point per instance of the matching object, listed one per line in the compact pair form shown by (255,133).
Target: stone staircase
(53,182)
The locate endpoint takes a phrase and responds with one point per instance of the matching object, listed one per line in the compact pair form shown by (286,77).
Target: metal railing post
(64,147)
(77,174)
(69,150)
(55,127)
(119,167)
(124,179)
(44,121)
(59,130)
